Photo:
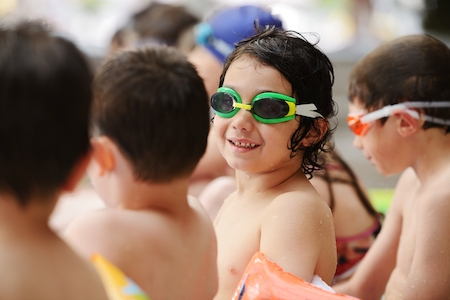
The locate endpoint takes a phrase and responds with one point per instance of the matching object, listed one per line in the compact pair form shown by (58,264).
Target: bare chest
(408,235)
(238,237)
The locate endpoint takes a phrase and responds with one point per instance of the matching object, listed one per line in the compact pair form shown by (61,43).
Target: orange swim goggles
(360,122)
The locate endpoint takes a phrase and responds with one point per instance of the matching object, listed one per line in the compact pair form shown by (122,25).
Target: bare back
(169,257)
(290,224)
(41,266)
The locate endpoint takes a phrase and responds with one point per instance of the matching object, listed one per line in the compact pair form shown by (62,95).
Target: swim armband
(118,286)
(264,279)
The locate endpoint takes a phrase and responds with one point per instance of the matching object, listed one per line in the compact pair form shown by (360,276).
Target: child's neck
(261,182)
(432,155)
(139,195)
(32,217)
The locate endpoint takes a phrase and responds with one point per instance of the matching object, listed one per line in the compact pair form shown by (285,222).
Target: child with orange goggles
(359,122)
(404,83)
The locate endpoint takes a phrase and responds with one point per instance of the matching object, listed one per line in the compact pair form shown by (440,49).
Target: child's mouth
(243,145)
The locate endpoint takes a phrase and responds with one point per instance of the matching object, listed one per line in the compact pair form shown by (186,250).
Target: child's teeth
(245,145)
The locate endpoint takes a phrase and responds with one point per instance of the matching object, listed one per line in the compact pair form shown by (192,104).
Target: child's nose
(357,142)
(244,120)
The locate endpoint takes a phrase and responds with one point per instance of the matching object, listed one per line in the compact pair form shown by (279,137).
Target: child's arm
(372,275)
(296,231)
(429,276)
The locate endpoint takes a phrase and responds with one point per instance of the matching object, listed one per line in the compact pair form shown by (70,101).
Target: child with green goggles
(275,211)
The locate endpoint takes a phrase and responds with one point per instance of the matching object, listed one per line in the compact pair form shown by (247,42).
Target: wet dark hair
(45,97)
(153,105)
(310,73)
(410,68)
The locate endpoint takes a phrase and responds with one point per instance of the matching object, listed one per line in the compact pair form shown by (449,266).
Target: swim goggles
(360,122)
(268,107)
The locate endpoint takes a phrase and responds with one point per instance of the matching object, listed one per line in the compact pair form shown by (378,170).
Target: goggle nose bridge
(241,105)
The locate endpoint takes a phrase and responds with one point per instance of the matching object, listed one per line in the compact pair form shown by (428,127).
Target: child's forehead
(246,61)
(248,74)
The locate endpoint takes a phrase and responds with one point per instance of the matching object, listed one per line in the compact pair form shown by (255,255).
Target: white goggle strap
(308,110)
(387,111)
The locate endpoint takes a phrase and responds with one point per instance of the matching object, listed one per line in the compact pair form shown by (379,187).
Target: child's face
(380,143)
(243,141)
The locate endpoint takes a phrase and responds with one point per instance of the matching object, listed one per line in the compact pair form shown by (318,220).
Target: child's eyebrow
(257,92)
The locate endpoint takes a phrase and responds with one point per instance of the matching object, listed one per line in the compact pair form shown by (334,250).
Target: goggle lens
(268,108)
(355,125)
(222,103)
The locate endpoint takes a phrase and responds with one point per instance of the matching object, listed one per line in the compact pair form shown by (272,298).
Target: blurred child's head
(413,68)
(158,23)
(217,36)
(310,74)
(153,105)
(45,96)
(227,26)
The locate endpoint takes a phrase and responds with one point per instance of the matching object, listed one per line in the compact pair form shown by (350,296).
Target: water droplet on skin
(320,222)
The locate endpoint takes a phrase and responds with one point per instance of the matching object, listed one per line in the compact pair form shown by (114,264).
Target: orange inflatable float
(264,279)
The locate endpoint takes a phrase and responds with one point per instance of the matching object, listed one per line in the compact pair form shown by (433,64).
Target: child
(356,222)
(157,23)
(45,84)
(150,126)
(400,114)
(212,179)
(271,122)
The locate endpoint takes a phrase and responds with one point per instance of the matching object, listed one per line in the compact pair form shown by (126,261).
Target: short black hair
(45,97)
(152,103)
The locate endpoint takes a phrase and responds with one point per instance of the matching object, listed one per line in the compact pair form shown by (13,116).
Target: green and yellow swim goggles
(268,108)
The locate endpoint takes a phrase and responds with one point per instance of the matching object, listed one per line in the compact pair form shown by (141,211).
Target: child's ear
(407,125)
(77,173)
(103,154)
(315,133)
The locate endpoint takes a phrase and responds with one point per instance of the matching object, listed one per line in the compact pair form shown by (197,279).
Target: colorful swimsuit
(350,249)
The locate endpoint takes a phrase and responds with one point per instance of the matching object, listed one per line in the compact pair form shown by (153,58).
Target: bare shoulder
(291,219)
(300,206)
(111,232)
(406,189)
(301,214)
(407,180)
(435,198)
